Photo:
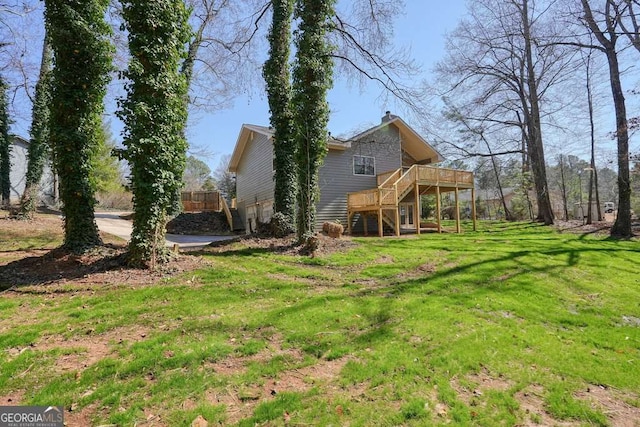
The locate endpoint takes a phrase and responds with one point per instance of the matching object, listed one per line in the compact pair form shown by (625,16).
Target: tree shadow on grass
(475,280)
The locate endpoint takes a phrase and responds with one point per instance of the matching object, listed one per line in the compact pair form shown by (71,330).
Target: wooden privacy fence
(201,201)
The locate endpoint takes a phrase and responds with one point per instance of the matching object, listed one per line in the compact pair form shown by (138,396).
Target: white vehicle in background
(608,207)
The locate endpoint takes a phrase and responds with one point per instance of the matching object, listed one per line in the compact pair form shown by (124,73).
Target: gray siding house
(358,169)
(17,178)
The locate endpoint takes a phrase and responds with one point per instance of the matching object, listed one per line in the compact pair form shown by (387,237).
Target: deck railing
(393,185)
(227,211)
(364,198)
(388,177)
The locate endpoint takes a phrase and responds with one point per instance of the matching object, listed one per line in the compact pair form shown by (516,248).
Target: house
(17,177)
(371,181)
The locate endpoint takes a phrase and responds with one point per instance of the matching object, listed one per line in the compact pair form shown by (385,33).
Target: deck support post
(365,224)
(349,219)
(416,215)
(438,212)
(473,207)
(380,231)
(397,211)
(457,211)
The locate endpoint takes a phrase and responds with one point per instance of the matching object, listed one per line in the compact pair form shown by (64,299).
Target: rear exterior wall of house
(254,182)
(337,175)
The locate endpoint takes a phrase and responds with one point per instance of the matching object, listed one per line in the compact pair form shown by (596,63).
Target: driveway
(110,222)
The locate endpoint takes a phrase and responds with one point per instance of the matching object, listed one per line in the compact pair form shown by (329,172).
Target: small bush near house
(280,226)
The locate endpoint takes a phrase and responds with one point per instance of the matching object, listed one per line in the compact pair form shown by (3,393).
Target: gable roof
(412,143)
(18,140)
(247,132)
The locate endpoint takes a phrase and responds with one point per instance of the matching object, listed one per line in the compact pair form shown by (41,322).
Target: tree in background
(225,180)
(278,79)
(154,114)
(39,151)
(501,67)
(312,78)
(82,57)
(635,184)
(605,24)
(5,146)
(196,174)
(107,175)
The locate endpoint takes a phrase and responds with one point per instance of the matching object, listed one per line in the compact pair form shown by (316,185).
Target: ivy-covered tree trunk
(278,78)
(312,78)
(5,146)
(38,153)
(79,38)
(155,115)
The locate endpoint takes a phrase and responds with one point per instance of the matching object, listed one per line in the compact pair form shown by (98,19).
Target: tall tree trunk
(563,187)
(5,147)
(38,153)
(278,78)
(622,226)
(155,116)
(592,163)
(78,34)
(536,149)
(312,78)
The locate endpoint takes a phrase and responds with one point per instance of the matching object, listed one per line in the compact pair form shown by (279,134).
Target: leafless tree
(605,20)
(502,65)
(364,51)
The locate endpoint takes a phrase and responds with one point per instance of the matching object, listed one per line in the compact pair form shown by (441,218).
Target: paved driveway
(110,222)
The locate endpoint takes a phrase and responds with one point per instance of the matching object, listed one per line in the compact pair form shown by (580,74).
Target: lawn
(516,324)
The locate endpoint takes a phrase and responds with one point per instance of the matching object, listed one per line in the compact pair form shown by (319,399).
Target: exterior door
(407,215)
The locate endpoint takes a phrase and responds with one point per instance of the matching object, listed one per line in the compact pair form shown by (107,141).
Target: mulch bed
(199,223)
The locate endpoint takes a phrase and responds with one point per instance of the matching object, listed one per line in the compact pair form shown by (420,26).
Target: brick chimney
(388,117)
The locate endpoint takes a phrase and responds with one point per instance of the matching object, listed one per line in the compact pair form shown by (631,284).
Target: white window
(364,165)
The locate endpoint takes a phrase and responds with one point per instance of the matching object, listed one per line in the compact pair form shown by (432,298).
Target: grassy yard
(515,324)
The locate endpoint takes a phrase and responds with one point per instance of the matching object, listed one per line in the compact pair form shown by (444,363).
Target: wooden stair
(237,224)
(395,186)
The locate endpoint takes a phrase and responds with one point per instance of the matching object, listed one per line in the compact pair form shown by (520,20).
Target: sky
(422,28)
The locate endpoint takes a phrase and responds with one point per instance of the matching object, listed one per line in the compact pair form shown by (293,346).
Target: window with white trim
(364,165)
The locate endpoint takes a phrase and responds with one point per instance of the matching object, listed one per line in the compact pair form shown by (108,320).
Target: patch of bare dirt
(531,400)
(13,398)
(611,403)
(89,349)
(422,270)
(235,365)
(241,401)
(481,382)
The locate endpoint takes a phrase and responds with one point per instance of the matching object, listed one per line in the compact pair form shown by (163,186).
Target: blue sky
(421,28)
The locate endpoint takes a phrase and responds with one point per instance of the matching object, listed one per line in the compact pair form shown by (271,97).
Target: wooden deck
(395,186)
